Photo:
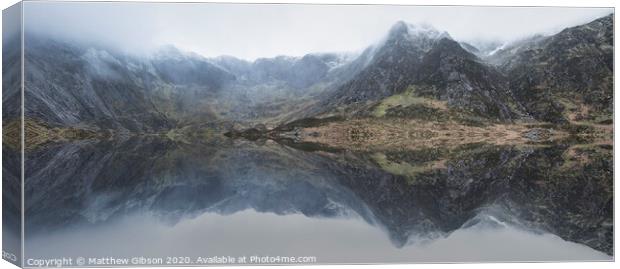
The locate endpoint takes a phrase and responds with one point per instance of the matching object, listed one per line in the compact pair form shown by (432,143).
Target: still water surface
(155,197)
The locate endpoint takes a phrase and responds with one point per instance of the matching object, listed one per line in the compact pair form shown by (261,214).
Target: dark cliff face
(452,74)
(573,68)
(70,86)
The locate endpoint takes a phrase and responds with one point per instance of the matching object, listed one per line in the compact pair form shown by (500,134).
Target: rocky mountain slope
(567,76)
(75,86)
(435,66)
(415,72)
(101,88)
(559,78)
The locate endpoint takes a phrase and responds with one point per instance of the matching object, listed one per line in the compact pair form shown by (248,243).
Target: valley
(418,84)
(419,136)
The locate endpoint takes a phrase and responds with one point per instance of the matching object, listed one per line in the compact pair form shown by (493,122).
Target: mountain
(275,90)
(431,64)
(178,68)
(11,78)
(567,76)
(99,88)
(68,85)
(452,74)
(507,51)
(389,67)
(296,72)
(416,71)
(483,48)
(559,78)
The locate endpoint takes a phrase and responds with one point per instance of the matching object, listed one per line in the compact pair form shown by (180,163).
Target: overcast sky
(251,31)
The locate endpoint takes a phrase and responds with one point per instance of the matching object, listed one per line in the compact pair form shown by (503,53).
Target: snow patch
(497,49)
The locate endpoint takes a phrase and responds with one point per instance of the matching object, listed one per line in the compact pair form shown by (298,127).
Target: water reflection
(153,196)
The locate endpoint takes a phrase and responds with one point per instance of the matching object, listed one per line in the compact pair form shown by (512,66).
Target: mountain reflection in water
(152,196)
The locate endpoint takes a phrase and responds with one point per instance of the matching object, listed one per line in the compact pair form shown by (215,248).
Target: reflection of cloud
(331,240)
(251,31)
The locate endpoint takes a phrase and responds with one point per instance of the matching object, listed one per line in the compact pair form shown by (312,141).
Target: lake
(151,196)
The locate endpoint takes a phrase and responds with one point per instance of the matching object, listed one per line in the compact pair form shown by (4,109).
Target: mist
(250,31)
(347,240)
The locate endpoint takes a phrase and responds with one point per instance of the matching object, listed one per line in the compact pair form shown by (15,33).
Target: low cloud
(250,31)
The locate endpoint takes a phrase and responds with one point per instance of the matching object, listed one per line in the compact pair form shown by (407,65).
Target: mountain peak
(402,29)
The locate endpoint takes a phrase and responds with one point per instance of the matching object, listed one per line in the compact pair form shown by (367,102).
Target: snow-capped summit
(414,32)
